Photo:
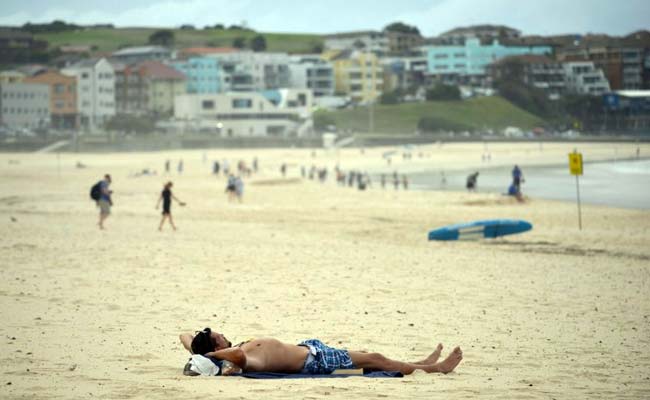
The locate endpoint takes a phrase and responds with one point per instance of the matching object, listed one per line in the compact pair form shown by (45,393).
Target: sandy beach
(552,313)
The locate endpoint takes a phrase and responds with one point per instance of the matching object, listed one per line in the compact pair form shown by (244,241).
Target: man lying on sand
(308,357)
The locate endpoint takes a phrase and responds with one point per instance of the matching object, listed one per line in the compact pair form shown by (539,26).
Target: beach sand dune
(553,313)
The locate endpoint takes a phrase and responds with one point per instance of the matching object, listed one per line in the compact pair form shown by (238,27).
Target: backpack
(96,191)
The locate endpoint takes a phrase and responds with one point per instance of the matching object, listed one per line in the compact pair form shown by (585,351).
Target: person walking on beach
(105,201)
(231,187)
(307,357)
(472,181)
(167,163)
(383,181)
(517,177)
(180,167)
(239,188)
(405,182)
(166,196)
(283,170)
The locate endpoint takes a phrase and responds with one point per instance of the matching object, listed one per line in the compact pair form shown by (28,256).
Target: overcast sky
(326,16)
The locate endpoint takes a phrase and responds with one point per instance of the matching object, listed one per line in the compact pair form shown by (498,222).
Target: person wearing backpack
(102,195)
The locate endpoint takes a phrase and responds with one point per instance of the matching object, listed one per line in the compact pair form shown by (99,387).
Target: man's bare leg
(162,222)
(171,221)
(379,362)
(102,218)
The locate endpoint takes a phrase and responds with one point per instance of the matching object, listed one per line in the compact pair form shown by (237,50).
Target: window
(59,88)
(84,75)
(438,56)
(242,103)
(59,104)
(207,104)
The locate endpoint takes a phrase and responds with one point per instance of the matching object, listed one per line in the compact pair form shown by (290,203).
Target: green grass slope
(474,114)
(113,39)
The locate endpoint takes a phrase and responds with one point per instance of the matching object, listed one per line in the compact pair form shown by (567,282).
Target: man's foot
(448,365)
(433,357)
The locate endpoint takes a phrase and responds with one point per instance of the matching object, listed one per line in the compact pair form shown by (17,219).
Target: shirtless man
(308,357)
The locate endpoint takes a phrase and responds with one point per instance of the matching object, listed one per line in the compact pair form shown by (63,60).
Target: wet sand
(553,313)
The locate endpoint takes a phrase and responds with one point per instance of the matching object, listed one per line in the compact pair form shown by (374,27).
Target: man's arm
(233,354)
(186,339)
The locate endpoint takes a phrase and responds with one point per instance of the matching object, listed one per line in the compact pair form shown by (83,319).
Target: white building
(283,113)
(130,55)
(95,91)
(372,41)
(248,70)
(582,77)
(312,72)
(24,105)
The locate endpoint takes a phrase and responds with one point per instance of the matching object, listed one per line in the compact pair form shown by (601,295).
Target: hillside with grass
(480,113)
(111,39)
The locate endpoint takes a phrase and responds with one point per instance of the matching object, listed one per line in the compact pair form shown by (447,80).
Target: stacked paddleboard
(490,228)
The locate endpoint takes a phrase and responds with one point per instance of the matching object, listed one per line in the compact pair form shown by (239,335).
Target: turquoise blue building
(471,59)
(203,74)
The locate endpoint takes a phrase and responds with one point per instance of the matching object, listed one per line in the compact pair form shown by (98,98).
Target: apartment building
(148,88)
(95,91)
(17,46)
(538,71)
(466,63)
(131,55)
(24,105)
(582,77)
(402,42)
(203,74)
(484,33)
(63,98)
(624,60)
(282,113)
(248,70)
(404,72)
(367,41)
(357,74)
(312,72)
(11,76)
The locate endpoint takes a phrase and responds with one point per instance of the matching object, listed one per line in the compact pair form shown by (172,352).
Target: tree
(258,43)
(529,98)
(162,37)
(437,124)
(131,123)
(239,42)
(322,120)
(392,97)
(317,47)
(188,27)
(402,28)
(443,93)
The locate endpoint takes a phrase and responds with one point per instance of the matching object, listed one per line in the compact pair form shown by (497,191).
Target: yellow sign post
(575,167)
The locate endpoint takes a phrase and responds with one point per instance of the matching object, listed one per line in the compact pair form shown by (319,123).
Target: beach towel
(277,375)
(207,366)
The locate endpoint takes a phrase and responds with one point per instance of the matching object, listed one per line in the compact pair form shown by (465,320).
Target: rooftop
(128,51)
(158,70)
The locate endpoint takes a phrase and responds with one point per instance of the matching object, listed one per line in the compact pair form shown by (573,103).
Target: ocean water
(620,184)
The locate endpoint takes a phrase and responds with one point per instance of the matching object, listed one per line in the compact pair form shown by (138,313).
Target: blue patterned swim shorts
(323,359)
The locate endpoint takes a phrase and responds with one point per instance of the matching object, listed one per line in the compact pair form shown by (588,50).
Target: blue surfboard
(489,228)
